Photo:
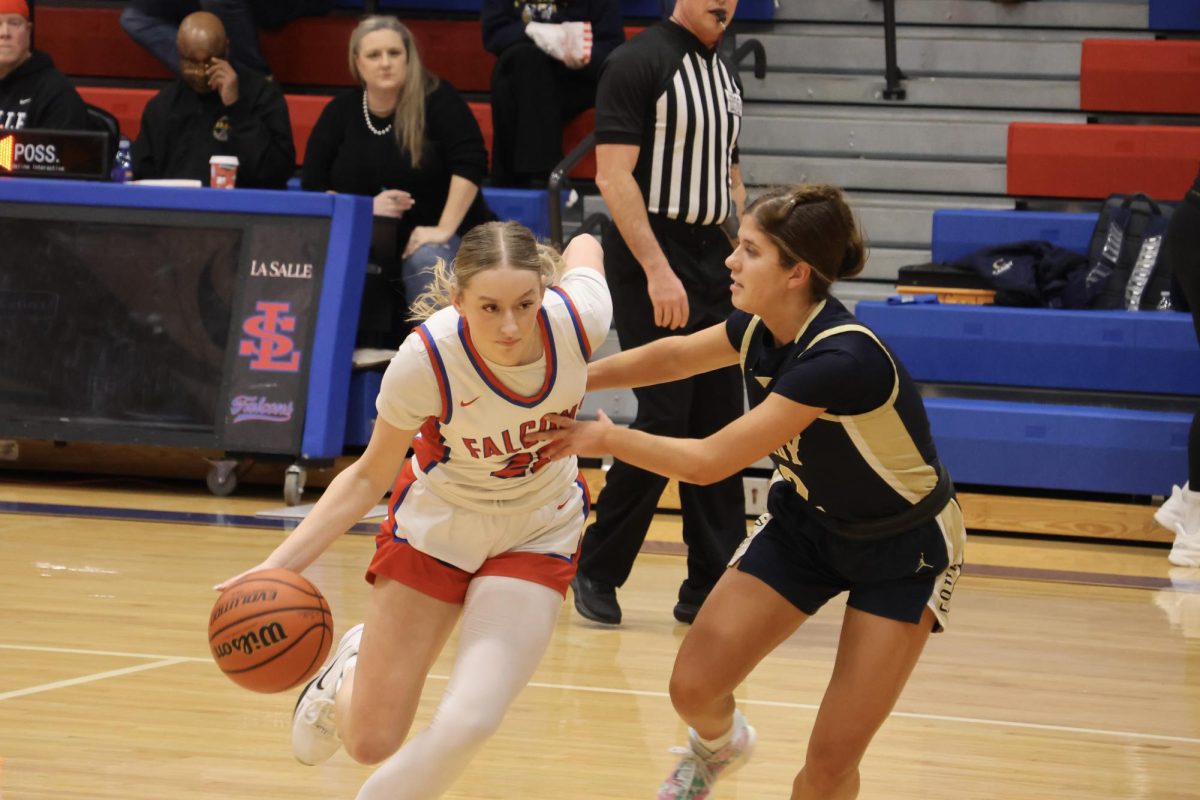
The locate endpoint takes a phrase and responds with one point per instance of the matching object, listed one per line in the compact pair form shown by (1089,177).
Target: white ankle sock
(713,745)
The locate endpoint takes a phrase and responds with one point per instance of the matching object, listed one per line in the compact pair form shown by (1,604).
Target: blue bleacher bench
(957,232)
(1039,440)
(1175,15)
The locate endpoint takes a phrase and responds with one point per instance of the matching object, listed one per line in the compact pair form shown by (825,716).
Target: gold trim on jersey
(879,435)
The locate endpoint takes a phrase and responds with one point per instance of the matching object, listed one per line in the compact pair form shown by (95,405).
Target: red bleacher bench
(89,42)
(304,110)
(573,134)
(1140,76)
(1094,161)
(312,51)
(126,105)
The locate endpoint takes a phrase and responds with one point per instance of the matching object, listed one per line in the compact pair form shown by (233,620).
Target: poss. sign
(54,154)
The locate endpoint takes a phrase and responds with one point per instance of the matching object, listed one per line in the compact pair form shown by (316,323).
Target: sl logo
(270,350)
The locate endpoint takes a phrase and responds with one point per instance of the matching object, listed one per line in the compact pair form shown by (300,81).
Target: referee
(668,111)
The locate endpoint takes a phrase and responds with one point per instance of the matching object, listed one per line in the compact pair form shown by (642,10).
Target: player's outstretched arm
(664,360)
(349,496)
(766,428)
(584,251)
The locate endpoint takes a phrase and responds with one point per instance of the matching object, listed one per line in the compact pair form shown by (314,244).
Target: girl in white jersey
(479,526)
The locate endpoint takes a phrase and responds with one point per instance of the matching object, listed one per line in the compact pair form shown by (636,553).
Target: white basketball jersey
(475,416)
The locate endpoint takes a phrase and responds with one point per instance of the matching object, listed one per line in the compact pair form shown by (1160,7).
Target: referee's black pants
(1181,246)
(714,516)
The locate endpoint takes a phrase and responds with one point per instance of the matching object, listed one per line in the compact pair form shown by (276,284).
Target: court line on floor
(671,548)
(96,676)
(156,515)
(914,715)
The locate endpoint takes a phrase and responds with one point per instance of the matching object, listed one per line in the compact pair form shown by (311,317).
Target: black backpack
(1126,267)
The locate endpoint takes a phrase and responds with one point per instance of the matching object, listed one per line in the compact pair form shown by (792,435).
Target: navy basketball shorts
(896,577)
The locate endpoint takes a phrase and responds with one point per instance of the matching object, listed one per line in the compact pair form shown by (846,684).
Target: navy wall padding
(1175,15)
(1111,351)
(1068,448)
(957,232)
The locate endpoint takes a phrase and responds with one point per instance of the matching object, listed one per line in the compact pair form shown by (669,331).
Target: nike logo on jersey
(560,505)
(465,403)
(24,101)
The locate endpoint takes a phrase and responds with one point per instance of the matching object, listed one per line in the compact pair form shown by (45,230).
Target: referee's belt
(925,510)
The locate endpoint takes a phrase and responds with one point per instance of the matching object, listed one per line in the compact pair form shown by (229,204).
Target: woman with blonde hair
(862,506)
(408,139)
(479,526)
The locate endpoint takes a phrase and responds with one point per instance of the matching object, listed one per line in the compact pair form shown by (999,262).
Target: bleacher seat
(304,110)
(1140,76)
(652,9)
(1094,161)
(959,231)
(1059,447)
(1174,15)
(124,104)
(89,42)
(1039,440)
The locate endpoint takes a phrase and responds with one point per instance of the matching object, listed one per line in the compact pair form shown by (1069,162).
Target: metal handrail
(755,47)
(892,75)
(554,186)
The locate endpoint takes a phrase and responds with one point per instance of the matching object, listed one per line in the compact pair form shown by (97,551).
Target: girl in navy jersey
(861,503)
(479,526)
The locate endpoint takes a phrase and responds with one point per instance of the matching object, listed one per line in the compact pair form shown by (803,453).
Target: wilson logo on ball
(266,636)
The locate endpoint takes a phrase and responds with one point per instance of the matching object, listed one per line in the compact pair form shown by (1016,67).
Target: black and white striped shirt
(681,103)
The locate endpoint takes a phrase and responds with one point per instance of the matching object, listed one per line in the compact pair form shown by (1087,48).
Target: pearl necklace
(367,119)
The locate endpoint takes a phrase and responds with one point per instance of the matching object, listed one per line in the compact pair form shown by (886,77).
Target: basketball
(270,631)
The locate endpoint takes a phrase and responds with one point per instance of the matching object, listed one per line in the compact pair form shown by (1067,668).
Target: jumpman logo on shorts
(922,565)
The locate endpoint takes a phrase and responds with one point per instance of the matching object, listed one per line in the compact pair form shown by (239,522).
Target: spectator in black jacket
(550,54)
(153,25)
(33,94)
(215,110)
(409,140)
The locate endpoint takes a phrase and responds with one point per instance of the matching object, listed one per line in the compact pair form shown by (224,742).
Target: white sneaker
(695,774)
(1171,511)
(1186,550)
(314,736)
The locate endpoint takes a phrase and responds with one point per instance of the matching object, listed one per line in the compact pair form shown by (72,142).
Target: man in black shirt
(668,112)
(215,110)
(33,94)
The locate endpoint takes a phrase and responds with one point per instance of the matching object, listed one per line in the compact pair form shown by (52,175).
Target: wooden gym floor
(1070,670)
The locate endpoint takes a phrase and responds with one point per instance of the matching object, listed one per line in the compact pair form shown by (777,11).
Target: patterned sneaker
(314,737)
(695,774)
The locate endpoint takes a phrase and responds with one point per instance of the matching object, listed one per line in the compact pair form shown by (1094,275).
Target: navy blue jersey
(870,456)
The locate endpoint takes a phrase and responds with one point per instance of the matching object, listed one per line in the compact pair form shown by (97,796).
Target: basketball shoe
(314,737)
(695,774)
(1171,511)
(1181,514)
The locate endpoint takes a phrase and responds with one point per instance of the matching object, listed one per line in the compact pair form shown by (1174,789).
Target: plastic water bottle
(122,171)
